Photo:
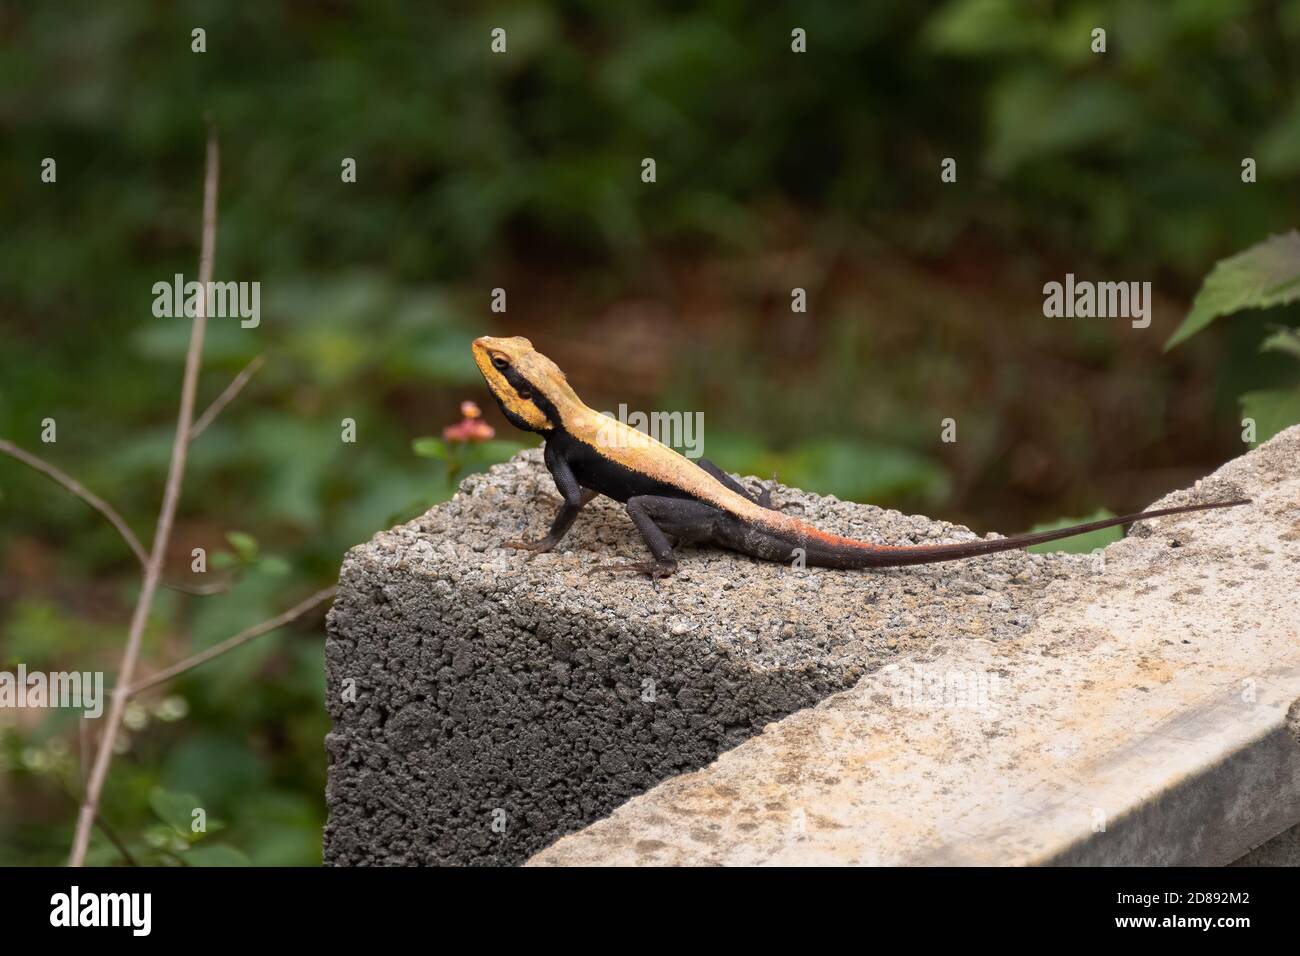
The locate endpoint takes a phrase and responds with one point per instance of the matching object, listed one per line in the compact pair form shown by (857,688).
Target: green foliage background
(522,171)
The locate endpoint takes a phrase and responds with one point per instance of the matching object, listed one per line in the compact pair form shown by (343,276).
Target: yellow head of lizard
(531,389)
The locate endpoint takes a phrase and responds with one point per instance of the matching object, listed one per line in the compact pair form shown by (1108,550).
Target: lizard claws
(540,546)
(655,569)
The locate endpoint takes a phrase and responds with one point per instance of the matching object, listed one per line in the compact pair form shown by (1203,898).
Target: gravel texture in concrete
(485,702)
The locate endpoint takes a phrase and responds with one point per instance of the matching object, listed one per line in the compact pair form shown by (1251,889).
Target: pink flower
(471,427)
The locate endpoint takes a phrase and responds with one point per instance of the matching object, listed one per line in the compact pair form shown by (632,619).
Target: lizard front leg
(575,498)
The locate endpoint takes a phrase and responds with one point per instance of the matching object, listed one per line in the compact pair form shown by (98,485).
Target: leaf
(222,767)
(428,447)
(1035,115)
(164,836)
(1079,544)
(297,455)
(282,828)
(275,566)
(1286,341)
(1279,148)
(223,561)
(245,544)
(216,854)
(175,809)
(1273,410)
(1268,273)
(981,28)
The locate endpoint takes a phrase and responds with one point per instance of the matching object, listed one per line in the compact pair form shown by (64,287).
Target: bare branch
(82,492)
(100,822)
(115,840)
(166,516)
(202,590)
(107,510)
(230,643)
(225,397)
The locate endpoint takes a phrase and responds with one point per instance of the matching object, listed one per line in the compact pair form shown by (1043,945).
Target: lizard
(669,496)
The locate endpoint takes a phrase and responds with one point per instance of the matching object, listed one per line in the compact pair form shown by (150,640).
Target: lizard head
(530,388)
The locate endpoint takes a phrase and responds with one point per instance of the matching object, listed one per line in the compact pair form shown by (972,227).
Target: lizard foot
(540,546)
(764,497)
(655,569)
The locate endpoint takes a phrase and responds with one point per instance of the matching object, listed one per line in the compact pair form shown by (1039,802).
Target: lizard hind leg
(762,499)
(657,517)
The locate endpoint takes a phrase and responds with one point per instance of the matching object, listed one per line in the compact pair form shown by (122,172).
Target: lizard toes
(654,569)
(539,546)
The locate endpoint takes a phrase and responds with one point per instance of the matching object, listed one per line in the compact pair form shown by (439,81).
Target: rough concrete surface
(1282,850)
(1139,710)
(502,701)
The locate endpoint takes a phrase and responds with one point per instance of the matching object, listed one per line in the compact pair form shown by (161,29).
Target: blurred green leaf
(215,854)
(983,27)
(177,810)
(1273,410)
(1286,341)
(1036,114)
(37,629)
(1278,152)
(1266,274)
(223,561)
(208,761)
(245,544)
(283,828)
(430,448)
(274,565)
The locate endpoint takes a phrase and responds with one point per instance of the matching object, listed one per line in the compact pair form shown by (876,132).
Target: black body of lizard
(668,496)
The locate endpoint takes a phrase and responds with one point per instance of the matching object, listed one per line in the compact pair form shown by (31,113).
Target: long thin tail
(884,556)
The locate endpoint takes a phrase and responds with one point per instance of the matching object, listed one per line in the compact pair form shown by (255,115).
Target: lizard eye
(524,393)
(500,363)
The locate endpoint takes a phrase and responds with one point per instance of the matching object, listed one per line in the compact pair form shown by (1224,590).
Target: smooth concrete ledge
(1150,714)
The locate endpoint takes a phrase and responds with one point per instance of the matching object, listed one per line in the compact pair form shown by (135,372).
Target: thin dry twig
(109,512)
(104,828)
(203,590)
(230,643)
(166,516)
(224,399)
(82,492)
(116,840)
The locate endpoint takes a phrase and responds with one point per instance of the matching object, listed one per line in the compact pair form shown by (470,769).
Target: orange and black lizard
(669,496)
